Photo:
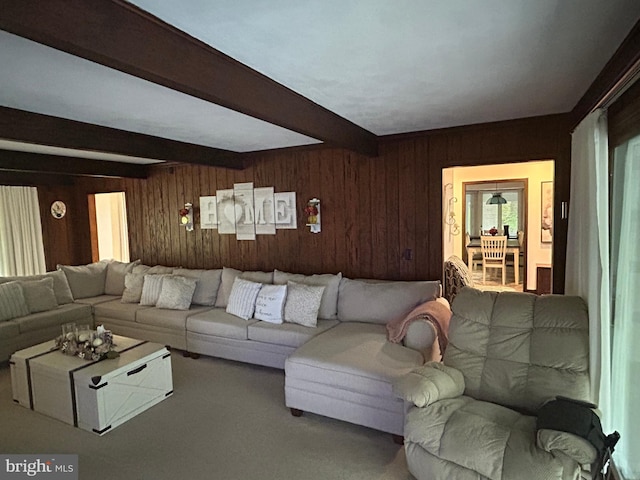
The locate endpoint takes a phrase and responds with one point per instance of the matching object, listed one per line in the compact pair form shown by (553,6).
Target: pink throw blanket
(432,311)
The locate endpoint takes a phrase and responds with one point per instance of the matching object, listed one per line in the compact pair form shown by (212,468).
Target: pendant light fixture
(496,198)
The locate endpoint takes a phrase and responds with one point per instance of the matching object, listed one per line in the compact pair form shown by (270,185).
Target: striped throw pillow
(242,300)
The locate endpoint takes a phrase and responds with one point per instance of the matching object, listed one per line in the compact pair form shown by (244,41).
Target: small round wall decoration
(58,209)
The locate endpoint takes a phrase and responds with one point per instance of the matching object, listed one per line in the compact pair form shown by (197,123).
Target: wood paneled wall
(381,217)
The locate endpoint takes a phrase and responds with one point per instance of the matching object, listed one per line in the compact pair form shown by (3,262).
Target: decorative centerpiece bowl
(86,343)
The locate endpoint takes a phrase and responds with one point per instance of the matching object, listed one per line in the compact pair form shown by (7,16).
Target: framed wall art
(546,212)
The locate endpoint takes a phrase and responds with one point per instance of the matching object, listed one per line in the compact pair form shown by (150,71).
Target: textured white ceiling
(389,66)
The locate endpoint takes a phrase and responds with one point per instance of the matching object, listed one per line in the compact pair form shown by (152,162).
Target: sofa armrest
(573,446)
(421,336)
(429,383)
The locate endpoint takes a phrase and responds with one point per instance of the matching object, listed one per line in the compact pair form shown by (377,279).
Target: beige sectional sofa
(342,366)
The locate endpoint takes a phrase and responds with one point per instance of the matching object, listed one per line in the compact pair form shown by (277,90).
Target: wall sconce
(450,214)
(186,217)
(312,211)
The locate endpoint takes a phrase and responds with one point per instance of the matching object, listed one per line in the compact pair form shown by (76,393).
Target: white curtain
(587,268)
(21,246)
(625,382)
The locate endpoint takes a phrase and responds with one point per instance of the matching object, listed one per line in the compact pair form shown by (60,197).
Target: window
(481,217)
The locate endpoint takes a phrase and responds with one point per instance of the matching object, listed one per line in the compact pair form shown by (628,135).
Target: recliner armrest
(429,383)
(573,446)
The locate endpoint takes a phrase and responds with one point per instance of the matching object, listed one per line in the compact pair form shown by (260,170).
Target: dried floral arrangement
(87,344)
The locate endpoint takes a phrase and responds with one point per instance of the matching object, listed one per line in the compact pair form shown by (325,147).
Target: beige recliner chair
(473,416)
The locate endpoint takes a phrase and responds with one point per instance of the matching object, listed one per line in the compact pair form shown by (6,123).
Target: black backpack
(573,416)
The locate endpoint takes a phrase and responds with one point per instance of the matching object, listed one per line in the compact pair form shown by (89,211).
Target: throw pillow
(228,277)
(242,300)
(151,288)
(329,303)
(116,271)
(176,292)
(60,284)
(303,304)
(207,287)
(12,302)
(86,280)
(132,288)
(39,295)
(270,303)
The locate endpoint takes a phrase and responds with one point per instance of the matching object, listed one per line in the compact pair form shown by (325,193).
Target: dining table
(513,246)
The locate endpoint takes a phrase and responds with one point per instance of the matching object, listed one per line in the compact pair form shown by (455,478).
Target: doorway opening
(522,213)
(108,225)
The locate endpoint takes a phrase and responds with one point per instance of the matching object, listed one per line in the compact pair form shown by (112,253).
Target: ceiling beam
(43,163)
(22,126)
(119,35)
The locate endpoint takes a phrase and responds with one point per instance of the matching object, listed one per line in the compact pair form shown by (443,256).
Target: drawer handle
(137,370)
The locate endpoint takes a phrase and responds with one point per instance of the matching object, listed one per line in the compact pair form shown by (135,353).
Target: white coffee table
(93,395)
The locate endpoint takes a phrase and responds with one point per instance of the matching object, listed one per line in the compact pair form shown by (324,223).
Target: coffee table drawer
(106,399)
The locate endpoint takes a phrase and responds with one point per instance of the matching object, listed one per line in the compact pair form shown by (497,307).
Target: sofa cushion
(288,334)
(9,329)
(270,303)
(118,310)
(96,300)
(39,295)
(116,271)
(155,270)
(72,312)
(329,304)
(86,280)
(242,301)
(12,301)
(133,283)
(228,277)
(176,292)
(380,302)
(151,289)
(60,284)
(219,323)
(172,319)
(355,357)
(208,284)
(303,303)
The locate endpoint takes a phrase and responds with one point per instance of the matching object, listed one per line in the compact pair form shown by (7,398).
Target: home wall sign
(247,211)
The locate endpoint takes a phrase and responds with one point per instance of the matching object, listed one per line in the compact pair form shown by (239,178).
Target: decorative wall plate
(58,209)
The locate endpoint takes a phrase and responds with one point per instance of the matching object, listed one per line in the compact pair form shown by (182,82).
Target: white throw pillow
(151,289)
(177,292)
(270,303)
(303,304)
(12,302)
(133,283)
(242,300)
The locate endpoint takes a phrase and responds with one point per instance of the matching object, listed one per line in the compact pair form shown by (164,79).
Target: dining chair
(477,257)
(494,250)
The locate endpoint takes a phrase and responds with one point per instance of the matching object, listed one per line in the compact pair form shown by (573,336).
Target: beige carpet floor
(225,420)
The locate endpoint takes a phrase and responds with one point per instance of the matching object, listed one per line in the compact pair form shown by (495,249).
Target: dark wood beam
(36,162)
(22,126)
(121,36)
(615,73)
